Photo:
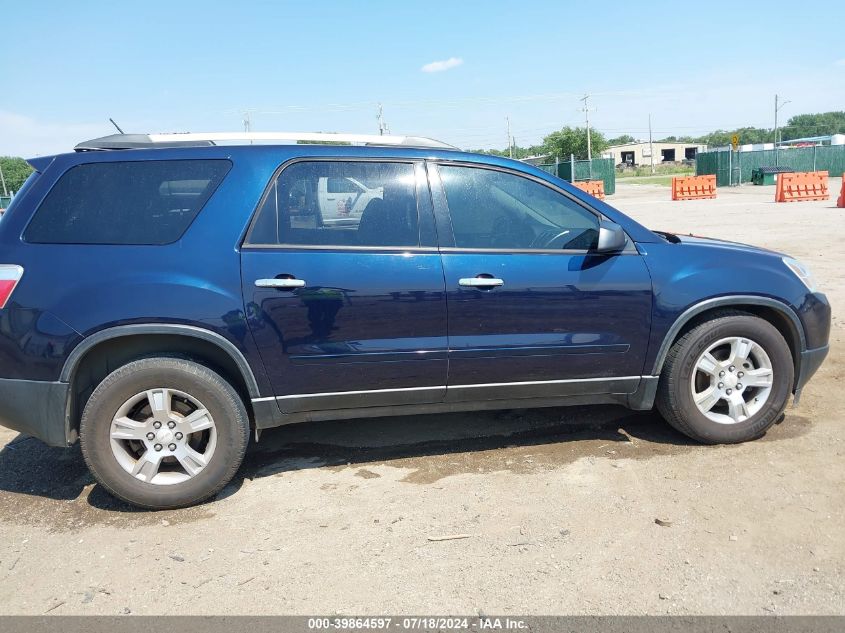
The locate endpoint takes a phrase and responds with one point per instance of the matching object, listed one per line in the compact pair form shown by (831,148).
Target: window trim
(322,247)
(52,185)
(444,215)
(271,186)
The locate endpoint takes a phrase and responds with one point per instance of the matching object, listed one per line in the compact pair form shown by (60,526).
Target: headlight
(802,272)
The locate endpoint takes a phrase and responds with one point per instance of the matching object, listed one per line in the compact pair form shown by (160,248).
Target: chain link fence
(597,169)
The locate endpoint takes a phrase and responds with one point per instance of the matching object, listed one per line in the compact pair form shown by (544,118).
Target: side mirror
(612,238)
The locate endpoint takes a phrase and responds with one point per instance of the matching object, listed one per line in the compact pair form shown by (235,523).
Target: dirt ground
(558,505)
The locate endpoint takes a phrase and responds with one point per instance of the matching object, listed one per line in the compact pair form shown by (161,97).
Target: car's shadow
(385,440)
(28,467)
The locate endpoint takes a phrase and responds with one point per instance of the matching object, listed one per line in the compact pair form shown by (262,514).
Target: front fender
(691,279)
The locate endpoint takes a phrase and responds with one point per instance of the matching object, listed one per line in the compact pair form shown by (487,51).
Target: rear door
(347,310)
(533,311)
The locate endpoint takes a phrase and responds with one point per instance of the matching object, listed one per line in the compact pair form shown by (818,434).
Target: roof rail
(195,139)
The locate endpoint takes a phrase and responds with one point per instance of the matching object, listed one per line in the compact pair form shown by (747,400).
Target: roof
(806,139)
(194,139)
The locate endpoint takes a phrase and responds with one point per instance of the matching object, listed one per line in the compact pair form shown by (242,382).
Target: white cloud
(839,62)
(440,66)
(25,136)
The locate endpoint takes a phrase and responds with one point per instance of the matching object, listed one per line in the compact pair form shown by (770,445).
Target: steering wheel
(543,241)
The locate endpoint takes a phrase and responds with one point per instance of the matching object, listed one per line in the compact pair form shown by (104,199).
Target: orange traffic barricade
(693,187)
(841,201)
(802,186)
(593,187)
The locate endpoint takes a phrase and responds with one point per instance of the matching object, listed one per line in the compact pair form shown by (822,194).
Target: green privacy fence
(734,168)
(600,169)
(713,163)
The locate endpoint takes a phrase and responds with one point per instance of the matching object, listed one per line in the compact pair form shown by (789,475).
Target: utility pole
(510,143)
(650,145)
(776,129)
(247,122)
(777,109)
(3,180)
(382,125)
(586,112)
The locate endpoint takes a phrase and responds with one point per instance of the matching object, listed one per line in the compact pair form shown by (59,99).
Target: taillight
(10,275)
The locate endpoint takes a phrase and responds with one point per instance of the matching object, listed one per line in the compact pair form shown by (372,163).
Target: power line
(485,135)
(497,99)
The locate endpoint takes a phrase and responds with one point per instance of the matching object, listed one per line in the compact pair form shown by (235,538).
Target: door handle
(480,282)
(282,284)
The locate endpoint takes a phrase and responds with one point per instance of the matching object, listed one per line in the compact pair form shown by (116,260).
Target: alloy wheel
(732,380)
(163,436)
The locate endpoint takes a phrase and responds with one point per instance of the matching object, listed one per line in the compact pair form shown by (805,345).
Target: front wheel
(726,380)
(164,433)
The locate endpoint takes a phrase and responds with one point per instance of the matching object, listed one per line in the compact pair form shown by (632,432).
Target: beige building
(639,153)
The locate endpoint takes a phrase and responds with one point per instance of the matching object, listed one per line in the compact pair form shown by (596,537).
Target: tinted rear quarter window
(133,202)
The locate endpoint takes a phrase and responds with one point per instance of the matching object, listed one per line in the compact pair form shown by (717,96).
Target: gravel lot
(559,505)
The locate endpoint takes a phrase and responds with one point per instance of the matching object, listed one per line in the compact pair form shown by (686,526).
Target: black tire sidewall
(211,390)
(765,335)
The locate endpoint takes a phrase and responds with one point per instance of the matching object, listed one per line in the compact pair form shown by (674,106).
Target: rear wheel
(726,380)
(164,433)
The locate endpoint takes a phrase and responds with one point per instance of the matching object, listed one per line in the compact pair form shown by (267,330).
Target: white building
(639,152)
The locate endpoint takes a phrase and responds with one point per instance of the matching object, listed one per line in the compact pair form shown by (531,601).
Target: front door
(533,310)
(348,309)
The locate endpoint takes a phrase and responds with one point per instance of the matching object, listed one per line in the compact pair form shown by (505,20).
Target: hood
(698,240)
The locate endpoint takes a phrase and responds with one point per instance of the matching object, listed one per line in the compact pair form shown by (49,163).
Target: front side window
(135,202)
(499,210)
(340,203)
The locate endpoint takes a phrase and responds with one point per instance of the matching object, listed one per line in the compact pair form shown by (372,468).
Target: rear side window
(340,203)
(138,202)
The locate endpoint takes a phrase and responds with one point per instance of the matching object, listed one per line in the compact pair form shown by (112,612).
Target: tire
(132,451)
(687,376)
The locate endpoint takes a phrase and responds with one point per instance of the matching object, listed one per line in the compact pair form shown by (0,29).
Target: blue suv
(163,297)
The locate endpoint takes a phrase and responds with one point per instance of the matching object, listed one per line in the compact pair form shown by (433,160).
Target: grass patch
(659,170)
(665,181)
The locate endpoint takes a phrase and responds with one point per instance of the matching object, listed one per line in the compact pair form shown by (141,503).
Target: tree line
(573,140)
(15,172)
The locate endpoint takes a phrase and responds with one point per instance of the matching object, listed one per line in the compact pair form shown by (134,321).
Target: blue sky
(323,66)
